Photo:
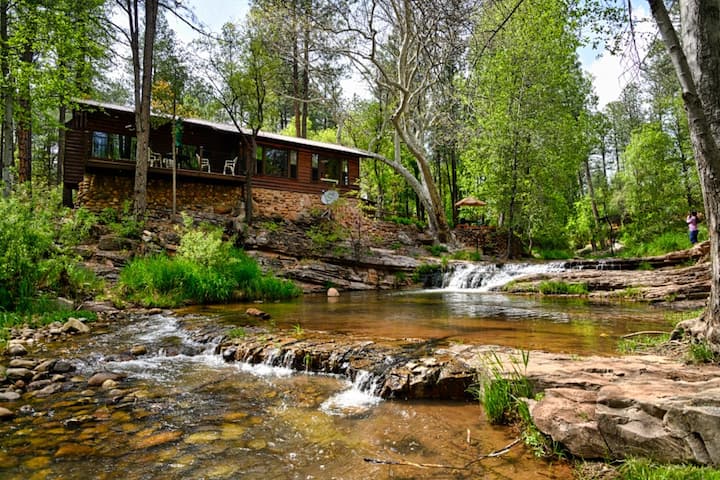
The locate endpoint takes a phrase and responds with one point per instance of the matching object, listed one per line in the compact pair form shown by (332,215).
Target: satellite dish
(329,197)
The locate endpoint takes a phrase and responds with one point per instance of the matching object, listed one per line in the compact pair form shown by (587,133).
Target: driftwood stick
(646,332)
(492,454)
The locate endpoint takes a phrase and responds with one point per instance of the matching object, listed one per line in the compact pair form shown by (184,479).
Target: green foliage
(562,288)
(205,270)
(425,270)
(552,254)
(651,188)
(238,332)
(500,391)
(636,469)
(701,352)
(326,234)
(123,223)
(437,250)
(526,137)
(35,235)
(641,343)
(658,245)
(470,256)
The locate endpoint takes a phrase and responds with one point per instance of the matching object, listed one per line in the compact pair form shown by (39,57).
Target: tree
(402,48)
(528,135)
(310,67)
(696,61)
(242,76)
(142,62)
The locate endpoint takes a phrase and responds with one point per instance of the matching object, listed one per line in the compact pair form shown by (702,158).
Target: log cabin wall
(107,182)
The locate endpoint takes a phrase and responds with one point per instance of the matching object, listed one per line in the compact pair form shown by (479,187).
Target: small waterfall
(357,399)
(485,277)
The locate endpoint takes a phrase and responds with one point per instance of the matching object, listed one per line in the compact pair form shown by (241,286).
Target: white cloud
(608,78)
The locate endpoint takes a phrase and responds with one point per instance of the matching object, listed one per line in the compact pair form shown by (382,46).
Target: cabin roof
(225,127)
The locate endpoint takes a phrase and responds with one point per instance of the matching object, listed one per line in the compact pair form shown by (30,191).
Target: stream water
(183,413)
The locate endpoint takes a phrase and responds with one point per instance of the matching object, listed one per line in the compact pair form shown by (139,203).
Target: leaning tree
(695,55)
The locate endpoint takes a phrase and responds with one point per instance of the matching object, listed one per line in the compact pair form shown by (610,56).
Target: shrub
(205,270)
(35,235)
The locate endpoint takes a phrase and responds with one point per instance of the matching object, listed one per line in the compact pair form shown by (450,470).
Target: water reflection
(569,325)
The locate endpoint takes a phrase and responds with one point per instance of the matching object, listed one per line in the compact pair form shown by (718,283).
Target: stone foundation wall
(98,192)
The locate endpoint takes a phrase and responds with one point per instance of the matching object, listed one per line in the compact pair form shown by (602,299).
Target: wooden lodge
(290,176)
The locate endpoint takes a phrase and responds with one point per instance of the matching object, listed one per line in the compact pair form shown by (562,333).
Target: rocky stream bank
(597,407)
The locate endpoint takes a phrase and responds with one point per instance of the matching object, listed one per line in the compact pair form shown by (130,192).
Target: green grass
(562,288)
(501,392)
(168,282)
(641,343)
(665,243)
(637,469)
(552,254)
(701,352)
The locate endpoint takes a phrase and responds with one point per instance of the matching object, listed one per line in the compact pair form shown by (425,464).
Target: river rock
(138,350)
(74,325)
(255,312)
(6,414)
(14,374)
(15,349)
(99,378)
(62,366)
(9,396)
(22,363)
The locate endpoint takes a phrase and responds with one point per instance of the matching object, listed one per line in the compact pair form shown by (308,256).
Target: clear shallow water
(196,417)
(569,325)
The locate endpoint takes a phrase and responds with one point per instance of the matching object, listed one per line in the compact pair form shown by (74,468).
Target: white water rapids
(485,277)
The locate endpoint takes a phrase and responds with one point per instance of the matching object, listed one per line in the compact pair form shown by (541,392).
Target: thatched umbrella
(470,202)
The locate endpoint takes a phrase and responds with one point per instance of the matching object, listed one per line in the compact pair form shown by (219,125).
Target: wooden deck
(125,167)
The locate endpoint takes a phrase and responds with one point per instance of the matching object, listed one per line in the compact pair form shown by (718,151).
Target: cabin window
(333,170)
(345,173)
(277,162)
(315,167)
(113,146)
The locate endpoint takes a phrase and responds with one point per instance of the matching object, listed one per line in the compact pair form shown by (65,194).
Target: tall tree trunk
(143,93)
(593,201)
(697,65)
(24,124)
(8,146)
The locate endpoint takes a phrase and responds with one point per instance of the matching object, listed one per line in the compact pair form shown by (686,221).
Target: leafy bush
(123,224)
(35,235)
(205,270)
(660,245)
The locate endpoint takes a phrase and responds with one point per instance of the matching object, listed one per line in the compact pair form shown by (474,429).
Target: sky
(608,71)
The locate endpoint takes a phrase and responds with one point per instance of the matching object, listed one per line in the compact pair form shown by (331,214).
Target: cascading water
(485,277)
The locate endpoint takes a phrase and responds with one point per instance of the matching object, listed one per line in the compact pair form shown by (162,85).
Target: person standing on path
(692,221)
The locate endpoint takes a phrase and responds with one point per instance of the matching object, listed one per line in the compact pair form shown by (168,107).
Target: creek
(181,412)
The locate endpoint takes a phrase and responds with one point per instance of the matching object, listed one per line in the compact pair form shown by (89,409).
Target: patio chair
(230,164)
(154,159)
(204,163)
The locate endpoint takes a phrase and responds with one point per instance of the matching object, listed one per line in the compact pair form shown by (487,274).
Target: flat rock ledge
(597,407)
